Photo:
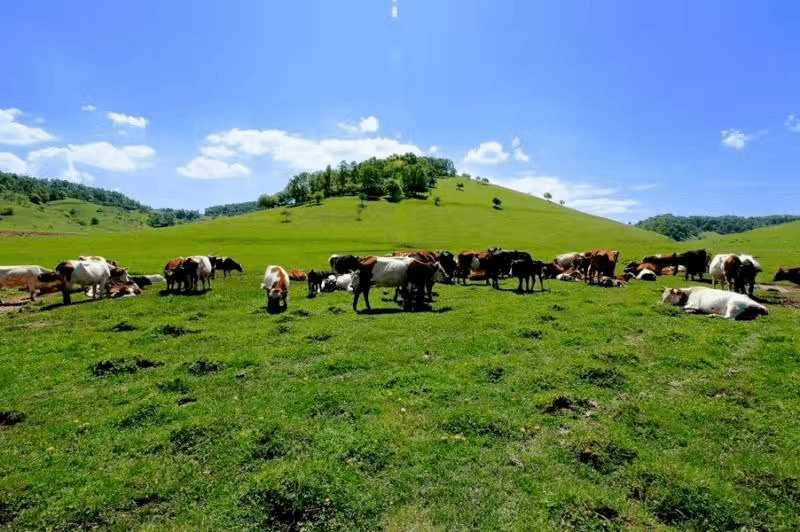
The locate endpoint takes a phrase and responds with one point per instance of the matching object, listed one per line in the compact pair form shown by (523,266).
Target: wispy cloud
(394,9)
(208,168)
(16,134)
(599,200)
(369,124)
(89,108)
(99,154)
(735,139)
(121,120)
(519,155)
(792,123)
(304,153)
(487,153)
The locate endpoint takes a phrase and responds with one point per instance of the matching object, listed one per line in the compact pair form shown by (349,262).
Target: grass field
(578,408)
(68,216)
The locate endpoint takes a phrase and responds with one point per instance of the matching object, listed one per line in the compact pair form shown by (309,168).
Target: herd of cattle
(413,274)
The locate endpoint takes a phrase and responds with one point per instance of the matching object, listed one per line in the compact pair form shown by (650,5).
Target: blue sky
(621,109)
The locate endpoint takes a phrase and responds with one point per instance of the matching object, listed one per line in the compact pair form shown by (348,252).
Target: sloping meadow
(577,408)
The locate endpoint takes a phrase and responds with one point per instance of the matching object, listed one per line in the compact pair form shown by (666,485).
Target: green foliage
(234,209)
(7,211)
(497,202)
(167,217)
(685,227)
(547,196)
(95,221)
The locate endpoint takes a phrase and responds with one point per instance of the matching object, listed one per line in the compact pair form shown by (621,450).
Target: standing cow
(88,273)
(276,285)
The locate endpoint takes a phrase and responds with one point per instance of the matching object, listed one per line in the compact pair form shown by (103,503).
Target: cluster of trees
(167,217)
(232,209)
(40,191)
(395,178)
(686,227)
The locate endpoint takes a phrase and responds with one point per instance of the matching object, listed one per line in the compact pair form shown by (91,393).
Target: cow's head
(675,296)
(781,275)
(440,276)
(120,275)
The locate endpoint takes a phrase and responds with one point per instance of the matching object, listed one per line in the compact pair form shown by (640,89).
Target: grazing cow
(31,279)
(298,275)
(343,263)
(202,273)
(695,262)
(95,274)
(703,300)
(227,265)
(789,274)
(528,270)
(276,285)
(723,269)
(646,275)
(175,273)
(315,280)
(399,272)
(601,263)
(427,257)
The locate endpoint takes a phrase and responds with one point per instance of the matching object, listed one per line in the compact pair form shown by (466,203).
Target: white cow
(717,270)
(342,282)
(32,278)
(276,285)
(569,260)
(404,273)
(702,300)
(203,272)
(90,273)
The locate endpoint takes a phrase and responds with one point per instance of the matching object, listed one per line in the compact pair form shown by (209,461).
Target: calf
(298,275)
(789,274)
(702,300)
(315,279)
(528,270)
(227,265)
(276,285)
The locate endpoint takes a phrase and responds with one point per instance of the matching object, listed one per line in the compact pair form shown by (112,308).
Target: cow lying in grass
(702,300)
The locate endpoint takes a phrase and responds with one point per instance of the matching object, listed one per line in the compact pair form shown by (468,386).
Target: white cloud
(735,139)
(307,154)
(519,155)
(394,9)
(99,154)
(583,197)
(487,153)
(217,152)
(366,125)
(206,168)
(433,150)
(121,120)
(12,132)
(89,108)
(11,163)
(792,123)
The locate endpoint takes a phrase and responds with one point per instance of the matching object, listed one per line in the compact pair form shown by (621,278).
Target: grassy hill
(577,408)
(68,216)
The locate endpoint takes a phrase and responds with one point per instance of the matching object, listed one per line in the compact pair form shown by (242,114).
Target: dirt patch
(10,418)
(203,367)
(572,405)
(30,234)
(121,366)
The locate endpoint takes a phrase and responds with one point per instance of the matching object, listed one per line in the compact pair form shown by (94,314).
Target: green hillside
(574,408)
(68,216)
(464,220)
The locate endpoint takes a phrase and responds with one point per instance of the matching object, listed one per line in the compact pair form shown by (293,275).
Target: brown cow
(789,274)
(297,275)
(174,273)
(602,263)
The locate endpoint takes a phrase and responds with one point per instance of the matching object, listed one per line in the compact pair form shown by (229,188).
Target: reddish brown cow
(174,273)
(602,263)
(297,275)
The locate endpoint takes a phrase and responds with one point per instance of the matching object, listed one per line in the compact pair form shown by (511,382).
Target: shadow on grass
(59,305)
(163,293)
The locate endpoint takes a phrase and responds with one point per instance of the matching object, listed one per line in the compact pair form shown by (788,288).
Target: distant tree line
(686,227)
(41,191)
(232,209)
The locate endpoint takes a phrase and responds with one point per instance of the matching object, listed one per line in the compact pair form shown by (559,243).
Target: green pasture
(577,408)
(68,215)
